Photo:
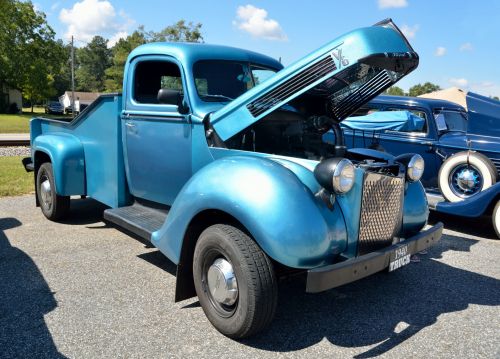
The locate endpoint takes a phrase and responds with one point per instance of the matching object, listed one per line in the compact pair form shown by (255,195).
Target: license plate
(399,258)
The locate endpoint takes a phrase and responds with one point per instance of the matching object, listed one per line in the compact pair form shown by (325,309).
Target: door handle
(131,127)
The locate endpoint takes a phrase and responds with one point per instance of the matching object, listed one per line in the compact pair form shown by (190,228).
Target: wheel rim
(220,283)
(465,181)
(46,192)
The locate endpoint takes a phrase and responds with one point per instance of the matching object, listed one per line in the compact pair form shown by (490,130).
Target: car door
(157,138)
(422,141)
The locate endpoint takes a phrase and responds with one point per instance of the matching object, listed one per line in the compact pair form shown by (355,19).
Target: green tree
(29,55)
(180,31)
(93,61)
(419,89)
(114,73)
(395,91)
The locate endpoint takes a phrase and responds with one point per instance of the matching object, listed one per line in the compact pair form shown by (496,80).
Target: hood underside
(483,115)
(347,73)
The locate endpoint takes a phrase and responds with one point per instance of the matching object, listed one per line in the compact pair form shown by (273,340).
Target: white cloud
(88,18)
(114,39)
(486,88)
(383,4)
(255,21)
(55,6)
(467,46)
(459,82)
(440,51)
(410,31)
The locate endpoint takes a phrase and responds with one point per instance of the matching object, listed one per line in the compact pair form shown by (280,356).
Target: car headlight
(343,176)
(415,168)
(335,174)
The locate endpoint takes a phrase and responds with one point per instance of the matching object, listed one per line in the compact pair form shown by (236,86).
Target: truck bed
(95,135)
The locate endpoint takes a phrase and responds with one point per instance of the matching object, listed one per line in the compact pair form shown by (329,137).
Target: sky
(458,41)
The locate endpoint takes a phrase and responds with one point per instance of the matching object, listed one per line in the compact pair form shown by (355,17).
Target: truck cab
(215,155)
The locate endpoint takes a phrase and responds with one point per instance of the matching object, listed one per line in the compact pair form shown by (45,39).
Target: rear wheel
(465,174)
(234,281)
(54,206)
(496,219)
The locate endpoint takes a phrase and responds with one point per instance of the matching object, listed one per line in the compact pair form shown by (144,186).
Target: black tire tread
(61,204)
(262,281)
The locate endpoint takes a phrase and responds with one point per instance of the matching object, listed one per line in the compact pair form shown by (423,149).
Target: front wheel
(465,174)
(235,281)
(54,206)
(496,219)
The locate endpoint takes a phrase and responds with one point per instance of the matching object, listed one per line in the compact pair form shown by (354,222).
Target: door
(157,138)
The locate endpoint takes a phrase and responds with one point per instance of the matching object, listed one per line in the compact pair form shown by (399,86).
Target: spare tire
(465,174)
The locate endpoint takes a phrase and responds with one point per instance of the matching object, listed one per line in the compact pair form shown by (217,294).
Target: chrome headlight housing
(415,168)
(343,176)
(335,175)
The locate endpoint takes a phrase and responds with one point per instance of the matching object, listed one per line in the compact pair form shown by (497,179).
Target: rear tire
(466,165)
(250,305)
(54,206)
(496,219)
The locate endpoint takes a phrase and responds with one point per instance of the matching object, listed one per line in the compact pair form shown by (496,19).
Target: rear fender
(287,221)
(68,161)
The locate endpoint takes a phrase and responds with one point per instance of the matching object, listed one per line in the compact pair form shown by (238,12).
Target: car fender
(292,225)
(474,206)
(68,161)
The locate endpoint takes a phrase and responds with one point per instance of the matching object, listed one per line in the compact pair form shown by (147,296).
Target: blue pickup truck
(214,154)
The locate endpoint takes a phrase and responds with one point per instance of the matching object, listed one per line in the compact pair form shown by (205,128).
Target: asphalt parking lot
(83,289)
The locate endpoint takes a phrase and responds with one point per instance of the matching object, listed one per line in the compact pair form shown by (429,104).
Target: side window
(151,76)
(363,111)
(416,121)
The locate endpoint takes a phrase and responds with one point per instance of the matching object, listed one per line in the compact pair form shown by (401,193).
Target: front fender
(68,161)
(288,222)
(474,206)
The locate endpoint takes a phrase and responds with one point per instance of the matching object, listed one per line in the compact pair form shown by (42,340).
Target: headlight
(415,168)
(335,174)
(343,176)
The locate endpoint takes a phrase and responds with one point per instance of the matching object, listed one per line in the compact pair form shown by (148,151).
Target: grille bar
(496,162)
(381,211)
(294,84)
(363,94)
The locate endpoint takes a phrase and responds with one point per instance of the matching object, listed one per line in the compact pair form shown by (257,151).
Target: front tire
(54,206)
(496,219)
(235,281)
(465,174)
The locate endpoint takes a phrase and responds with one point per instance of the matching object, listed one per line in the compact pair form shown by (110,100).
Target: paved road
(84,290)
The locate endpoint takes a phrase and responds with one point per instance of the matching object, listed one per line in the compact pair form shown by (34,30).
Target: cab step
(140,219)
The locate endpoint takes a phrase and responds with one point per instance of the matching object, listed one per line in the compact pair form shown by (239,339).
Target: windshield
(451,121)
(223,81)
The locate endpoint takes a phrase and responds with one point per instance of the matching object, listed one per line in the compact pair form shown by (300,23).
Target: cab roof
(188,53)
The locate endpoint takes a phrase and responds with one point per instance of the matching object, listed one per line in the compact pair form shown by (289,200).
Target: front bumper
(335,275)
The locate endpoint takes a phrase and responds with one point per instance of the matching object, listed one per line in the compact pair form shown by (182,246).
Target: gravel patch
(15,151)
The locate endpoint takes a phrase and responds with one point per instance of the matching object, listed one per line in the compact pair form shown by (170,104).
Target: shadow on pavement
(479,227)
(386,308)
(25,298)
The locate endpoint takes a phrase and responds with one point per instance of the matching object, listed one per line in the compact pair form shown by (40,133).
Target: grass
(14,180)
(20,123)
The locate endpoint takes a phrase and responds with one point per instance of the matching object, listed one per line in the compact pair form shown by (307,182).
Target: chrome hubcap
(46,193)
(222,282)
(466,181)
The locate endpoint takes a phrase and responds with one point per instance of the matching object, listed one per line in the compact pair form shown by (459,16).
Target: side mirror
(173,97)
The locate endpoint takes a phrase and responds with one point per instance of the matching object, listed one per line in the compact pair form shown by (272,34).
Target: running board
(138,219)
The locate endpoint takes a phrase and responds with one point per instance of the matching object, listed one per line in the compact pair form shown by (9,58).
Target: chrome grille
(381,211)
(496,162)
(298,82)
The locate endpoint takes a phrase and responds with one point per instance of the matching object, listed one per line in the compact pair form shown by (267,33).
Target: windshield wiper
(218,97)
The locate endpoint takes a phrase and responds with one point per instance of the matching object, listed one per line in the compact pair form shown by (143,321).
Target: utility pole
(72,78)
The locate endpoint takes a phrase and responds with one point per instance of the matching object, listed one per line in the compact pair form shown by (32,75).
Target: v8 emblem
(337,54)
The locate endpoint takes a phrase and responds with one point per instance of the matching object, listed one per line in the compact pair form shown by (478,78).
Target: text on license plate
(399,257)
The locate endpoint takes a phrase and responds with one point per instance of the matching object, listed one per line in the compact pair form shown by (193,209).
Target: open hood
(483,114)
(348,72)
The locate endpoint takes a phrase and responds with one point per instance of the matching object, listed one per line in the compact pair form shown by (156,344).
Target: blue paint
(119,150)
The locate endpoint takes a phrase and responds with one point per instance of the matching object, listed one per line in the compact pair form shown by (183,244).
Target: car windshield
(451,120)
(223,81)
